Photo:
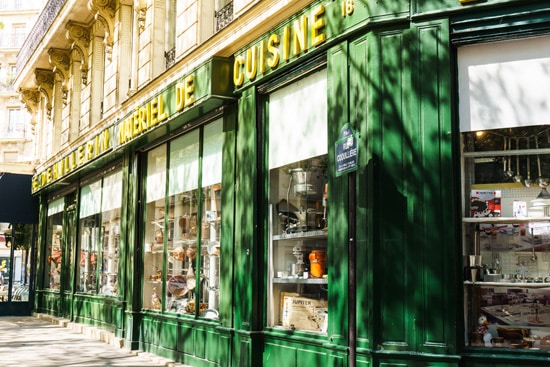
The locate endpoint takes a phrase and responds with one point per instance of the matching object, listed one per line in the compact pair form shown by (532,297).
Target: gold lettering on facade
(286,43)
(185,93)
(238,76)
(261,57)
(80,155)
(289,41)
(299,41)
(251,66)
(142,119)
(318,24)
(273,50)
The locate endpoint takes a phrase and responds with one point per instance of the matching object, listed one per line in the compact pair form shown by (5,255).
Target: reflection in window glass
(110,234)
(89,220)
(182,249)
(154,228)
(298,203)
(100,205)
(506,229)
(54,233)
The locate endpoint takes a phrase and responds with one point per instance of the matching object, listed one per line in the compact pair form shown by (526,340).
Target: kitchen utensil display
(528,182)
(518,177)
(508,160)
(541,181)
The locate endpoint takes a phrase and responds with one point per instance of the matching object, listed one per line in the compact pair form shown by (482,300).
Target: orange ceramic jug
(317,263)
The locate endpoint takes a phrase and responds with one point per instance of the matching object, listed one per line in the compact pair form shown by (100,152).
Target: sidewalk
(31,342)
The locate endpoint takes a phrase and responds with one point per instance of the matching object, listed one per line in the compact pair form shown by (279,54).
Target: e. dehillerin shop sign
(209,81)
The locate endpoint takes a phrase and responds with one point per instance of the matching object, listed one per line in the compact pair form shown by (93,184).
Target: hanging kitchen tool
(518,177)
(509,172)
(504,161)
(528,182)
(541,181)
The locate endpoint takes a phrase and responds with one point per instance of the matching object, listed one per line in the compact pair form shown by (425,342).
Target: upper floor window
(16,123)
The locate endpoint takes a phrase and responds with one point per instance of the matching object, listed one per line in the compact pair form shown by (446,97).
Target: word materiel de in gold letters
(151,114)
(144,118)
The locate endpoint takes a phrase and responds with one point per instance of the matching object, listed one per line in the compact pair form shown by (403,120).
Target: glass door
(17,244)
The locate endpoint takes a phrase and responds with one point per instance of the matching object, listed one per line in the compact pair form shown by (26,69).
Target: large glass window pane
(507,236)
(210,219)
(54,232)
(298,284)
(505,147)
(90,231)
(181,282)
(99,233)
(155,187)
(182,248)
(110,233)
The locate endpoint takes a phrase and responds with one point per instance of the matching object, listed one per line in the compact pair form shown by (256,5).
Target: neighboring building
(18,158)
(17,151)
(296,183)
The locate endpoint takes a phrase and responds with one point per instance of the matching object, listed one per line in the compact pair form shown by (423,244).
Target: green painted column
(248,248)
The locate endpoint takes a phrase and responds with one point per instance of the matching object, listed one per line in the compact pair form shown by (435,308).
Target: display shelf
(298,246)
(504,220)
(527,285)
(291,280)
(301,235)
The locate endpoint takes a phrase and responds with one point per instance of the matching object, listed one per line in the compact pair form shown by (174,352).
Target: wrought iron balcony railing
(170,57)
(45,19)
(224,16)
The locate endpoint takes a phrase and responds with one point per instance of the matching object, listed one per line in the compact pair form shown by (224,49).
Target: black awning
(17,205)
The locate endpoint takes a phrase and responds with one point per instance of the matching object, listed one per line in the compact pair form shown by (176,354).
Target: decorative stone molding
(104,12)
(140,7)
(44,78)
(79,36)
(60,59)
(31,99)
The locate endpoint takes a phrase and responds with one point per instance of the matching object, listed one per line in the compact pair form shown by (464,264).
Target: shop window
(183,211)
(54,233)
(298,271)
(506,217)
(99,233)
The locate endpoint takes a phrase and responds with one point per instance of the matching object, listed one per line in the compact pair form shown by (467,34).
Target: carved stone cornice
(44,78)
(79,36)
(60,59)
(140,7)
(31,99)
(104,12)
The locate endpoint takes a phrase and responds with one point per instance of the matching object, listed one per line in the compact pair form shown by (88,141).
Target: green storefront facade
(379,82)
